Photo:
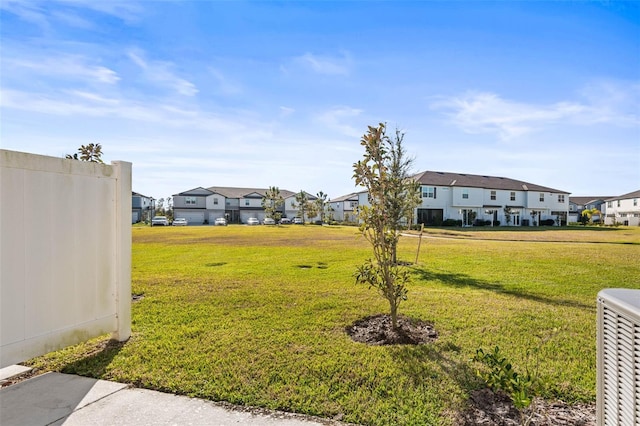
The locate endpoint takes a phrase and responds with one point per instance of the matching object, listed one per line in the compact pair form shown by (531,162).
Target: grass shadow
(463,280)
(95,363)
(412,359)
(214,264)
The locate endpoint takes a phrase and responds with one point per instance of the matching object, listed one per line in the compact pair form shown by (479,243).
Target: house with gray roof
(623,210)
(344,208)
(579,204)
(204,205)
(473,199)
(141,207)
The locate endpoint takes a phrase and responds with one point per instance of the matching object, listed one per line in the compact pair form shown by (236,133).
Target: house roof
(466,180)
(583,201)
(232,192)
(634,194)
(196,191)
(349,197)
(137,194)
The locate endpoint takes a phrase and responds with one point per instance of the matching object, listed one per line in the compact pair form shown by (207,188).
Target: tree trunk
(394,314)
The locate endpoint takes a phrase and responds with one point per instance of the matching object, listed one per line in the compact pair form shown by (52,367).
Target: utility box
(618,357)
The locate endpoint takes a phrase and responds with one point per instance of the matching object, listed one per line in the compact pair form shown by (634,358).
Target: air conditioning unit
(618,362)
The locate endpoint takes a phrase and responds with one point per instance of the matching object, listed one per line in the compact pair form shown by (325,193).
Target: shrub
(452,222)
(547,222)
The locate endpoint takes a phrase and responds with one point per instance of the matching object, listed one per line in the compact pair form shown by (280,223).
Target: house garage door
(194,218)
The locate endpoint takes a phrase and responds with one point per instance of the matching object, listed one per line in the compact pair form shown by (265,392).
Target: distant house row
(466,199)
(623,209)
(204,205)
(474,199)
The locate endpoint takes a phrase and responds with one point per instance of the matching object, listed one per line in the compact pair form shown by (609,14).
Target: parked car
(268,221)
(298,221)
(221,221)
(285,221)
(253,221)
(159,221)
(180,221)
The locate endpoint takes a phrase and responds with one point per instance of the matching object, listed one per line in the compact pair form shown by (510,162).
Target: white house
(204,205)
(344,208)
(579,204)
(474,199)
(624,209)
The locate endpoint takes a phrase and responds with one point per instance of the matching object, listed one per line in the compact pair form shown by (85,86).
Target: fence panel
(65,272)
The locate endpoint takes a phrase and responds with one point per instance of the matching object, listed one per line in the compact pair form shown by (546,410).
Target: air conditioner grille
(619,358)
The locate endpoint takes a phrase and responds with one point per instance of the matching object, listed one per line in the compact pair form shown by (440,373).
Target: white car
(180,221)
(159,221)
(269,221)
(253,221)
(221,221)
(298,221)
(285,221)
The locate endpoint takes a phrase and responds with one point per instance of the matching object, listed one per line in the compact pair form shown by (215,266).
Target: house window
(190,200)
(609,204)
(561,198)
(246,202)
(512,196)
(215,201)
(465,193)
(429,192)
(542,197)
(635,202)
(493,195)
(353,204)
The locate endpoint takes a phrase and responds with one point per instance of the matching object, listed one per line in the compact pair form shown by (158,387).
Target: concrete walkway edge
(64,399)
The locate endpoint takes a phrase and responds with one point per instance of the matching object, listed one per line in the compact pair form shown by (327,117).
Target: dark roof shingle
(479,181)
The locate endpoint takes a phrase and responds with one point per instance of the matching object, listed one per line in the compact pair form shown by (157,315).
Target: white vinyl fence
(65,253)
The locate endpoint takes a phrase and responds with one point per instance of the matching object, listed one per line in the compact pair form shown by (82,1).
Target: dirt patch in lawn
(377,330)
(489,408)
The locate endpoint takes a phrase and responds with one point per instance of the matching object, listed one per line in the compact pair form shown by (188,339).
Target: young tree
(302,204)
(91,153)
(507,214)
(321,204)
(384,172)
(271,202)
(169,209)
(587,216)
(160,207)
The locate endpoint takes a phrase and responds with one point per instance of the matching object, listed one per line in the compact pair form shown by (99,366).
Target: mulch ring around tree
(377,330)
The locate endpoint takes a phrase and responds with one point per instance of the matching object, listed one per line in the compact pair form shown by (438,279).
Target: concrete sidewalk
(64,399)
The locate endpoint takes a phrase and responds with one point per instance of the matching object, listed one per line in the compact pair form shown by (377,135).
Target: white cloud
(329,65)
(65,66)
(160,72)
(225,85)
(335,119)
(286,111)
(485,112)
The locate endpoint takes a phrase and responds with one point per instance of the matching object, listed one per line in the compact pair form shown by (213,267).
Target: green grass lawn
(257,316)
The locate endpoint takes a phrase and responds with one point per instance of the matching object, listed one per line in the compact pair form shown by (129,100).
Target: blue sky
(257,94)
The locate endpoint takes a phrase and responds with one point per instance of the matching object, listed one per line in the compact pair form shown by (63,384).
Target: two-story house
(344,208)
(624,209)
(141,207)
(497,200)
(579,204)
(204,205)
